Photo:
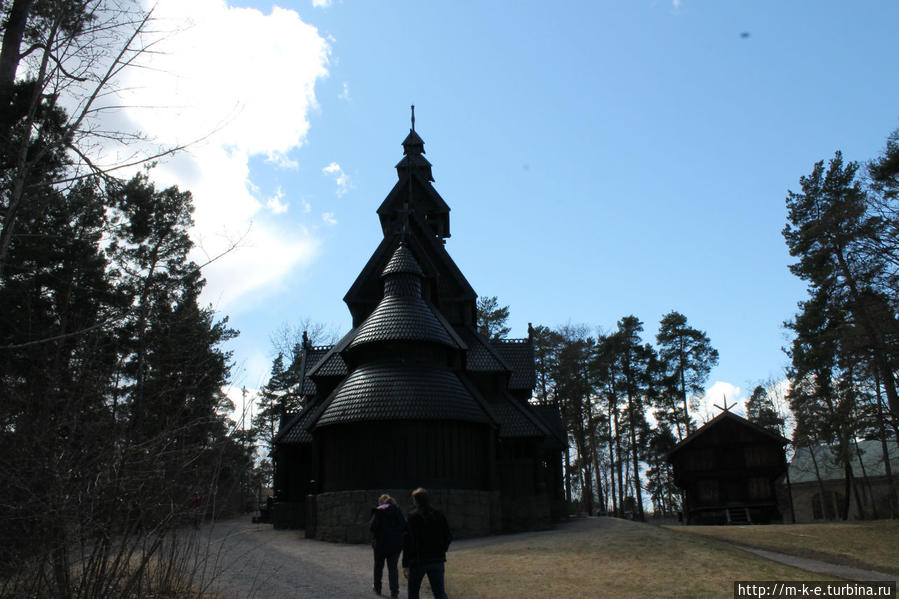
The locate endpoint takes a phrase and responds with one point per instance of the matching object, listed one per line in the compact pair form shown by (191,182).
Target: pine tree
(689,358)
(828,229)
(760,410)
(492,318)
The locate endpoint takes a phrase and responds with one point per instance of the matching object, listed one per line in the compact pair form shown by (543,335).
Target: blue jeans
(392,573)
(435,578)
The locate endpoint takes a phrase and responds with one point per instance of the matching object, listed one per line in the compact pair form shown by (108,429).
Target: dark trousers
(434,572)
(393,577)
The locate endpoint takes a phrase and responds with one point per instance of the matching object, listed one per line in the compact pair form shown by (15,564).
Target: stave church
(413,396)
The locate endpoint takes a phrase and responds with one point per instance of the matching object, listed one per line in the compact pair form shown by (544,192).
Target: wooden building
(727,471)
(414,396)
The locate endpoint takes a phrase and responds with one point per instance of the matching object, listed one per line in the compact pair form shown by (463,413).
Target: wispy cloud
(189,81)
(345,94)
(329,218)
(341,178)
(321,3)
(676,3)
(275,203)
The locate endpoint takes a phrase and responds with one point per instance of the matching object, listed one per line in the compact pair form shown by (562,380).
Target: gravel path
(813,565)
(255,561)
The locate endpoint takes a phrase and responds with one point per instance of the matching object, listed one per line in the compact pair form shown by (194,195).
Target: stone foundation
(343,516)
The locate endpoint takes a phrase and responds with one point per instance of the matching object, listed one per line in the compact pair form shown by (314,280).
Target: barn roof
(725,416)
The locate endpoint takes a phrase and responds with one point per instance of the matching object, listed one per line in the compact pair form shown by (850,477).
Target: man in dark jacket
(424,546)
(387,526)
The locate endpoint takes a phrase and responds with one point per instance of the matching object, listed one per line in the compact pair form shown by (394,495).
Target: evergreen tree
(689,358)
(760,410)
(631,369)
(492,318)
(828,229)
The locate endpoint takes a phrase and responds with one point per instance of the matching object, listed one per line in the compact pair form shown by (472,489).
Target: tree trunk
(637,487)
(893,494)
(12,42)
(601,500)
(878,346)
(612,461)
(822,492)
(867,483)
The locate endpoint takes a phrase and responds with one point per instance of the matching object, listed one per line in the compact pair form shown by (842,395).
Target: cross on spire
(413,117)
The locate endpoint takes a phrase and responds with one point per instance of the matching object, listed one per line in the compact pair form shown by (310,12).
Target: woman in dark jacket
(387,527)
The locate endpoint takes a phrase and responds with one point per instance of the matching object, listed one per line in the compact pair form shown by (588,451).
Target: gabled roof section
(551,416)
(331,363)
(519,355)
(516,420)
(481,356)
(723,417)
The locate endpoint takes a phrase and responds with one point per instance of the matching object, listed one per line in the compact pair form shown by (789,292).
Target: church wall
(404,454)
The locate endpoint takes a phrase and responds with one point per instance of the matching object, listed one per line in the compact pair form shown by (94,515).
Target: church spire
(413,198)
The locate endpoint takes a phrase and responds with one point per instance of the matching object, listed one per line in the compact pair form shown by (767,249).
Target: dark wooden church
(727,470)
(414,396)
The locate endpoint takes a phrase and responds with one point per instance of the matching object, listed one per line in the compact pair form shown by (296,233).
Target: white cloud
(329,218)
(321,3)
(345,94)
(275,203)
(220,77)
(340,177)
(715,395)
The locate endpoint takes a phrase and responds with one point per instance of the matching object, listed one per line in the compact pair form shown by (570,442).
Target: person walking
(425,543)
(387,526)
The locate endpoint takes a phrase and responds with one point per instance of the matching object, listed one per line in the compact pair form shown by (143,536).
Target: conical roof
(402,314)
(393,390)
(402,261)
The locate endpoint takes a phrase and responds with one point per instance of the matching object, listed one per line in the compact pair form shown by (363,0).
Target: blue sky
(600,158)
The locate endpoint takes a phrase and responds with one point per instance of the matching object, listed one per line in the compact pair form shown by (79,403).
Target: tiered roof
(411,296)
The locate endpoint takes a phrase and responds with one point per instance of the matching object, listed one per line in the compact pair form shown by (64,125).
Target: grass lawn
(607,558)
(873,545)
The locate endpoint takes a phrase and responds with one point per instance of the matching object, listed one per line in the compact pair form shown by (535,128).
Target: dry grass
(860,544)
(615,558)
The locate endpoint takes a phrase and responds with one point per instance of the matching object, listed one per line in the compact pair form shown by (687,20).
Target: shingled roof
(519,355)
(516,421)
(393,390)
(481,356)
(402,314)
